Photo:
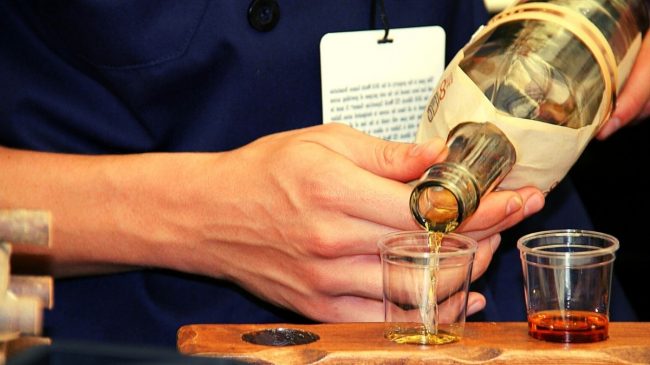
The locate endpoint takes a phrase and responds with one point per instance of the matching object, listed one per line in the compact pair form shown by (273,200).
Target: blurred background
(610,179)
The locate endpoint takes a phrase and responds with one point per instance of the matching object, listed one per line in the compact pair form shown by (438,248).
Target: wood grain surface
(363,343)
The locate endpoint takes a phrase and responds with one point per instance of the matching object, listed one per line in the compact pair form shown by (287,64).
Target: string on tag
(383,17)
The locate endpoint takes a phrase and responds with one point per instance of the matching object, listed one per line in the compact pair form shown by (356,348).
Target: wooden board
(363,343)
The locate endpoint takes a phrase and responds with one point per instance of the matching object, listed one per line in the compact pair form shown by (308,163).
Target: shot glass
(567,283)
(426,279)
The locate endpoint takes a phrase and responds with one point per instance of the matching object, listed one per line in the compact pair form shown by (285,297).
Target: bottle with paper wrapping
(520,102)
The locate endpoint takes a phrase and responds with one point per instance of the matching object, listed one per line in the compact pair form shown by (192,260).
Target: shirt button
(263,15)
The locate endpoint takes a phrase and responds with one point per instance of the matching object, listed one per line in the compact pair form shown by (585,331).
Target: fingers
(382,201)
(365,176)
(358,187)
(401,161)
(357,309)
(354,309)
(359,276)
(500,210)
(351,237)
(371,193)
(475,303)
(342,280)
(486,249)
(452,308)
(394,160)
(634,99)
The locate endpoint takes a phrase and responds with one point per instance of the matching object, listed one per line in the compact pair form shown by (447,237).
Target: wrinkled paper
(545,152)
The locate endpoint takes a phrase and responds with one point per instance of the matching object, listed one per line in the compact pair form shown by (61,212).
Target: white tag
(381,88)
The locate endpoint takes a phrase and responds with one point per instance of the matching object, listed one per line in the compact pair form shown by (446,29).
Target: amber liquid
(429,304)
(429,301)
(414,334)
(426,332)
(568,326)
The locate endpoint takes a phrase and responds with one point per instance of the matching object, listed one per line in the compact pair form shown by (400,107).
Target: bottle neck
(445,198)
(480,156)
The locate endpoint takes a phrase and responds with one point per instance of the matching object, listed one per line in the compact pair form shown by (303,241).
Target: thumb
(399,160)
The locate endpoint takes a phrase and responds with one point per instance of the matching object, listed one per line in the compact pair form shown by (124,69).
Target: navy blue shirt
(151,75)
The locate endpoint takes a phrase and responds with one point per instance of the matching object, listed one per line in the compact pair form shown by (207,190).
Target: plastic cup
(567,284)
(425,288)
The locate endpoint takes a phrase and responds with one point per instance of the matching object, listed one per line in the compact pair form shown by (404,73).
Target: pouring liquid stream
(429,312)
(429,300)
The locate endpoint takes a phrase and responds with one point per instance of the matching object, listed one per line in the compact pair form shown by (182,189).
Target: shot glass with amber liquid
(567,284)
(425,290)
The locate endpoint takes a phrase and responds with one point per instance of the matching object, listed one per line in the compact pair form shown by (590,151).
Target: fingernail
(474,306)
(534,204)
(495,241)
(645,113)
(514,204)
(612,125)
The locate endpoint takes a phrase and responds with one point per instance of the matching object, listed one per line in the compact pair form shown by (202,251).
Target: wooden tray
(363,343)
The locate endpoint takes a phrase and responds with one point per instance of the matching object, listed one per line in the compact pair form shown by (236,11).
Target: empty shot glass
(426,278)
(567,284)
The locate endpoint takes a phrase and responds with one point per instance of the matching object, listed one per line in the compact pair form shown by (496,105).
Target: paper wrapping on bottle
(545,152)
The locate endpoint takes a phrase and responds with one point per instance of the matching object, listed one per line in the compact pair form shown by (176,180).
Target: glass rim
(384,247)
(596,251)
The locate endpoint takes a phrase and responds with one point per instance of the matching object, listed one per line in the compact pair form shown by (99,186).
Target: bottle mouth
(435,207)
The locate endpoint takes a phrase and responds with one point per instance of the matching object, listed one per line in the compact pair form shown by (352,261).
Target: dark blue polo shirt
(111,76)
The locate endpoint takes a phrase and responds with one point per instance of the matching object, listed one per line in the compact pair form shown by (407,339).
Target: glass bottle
(479,157)
(545,71)
(549,72)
